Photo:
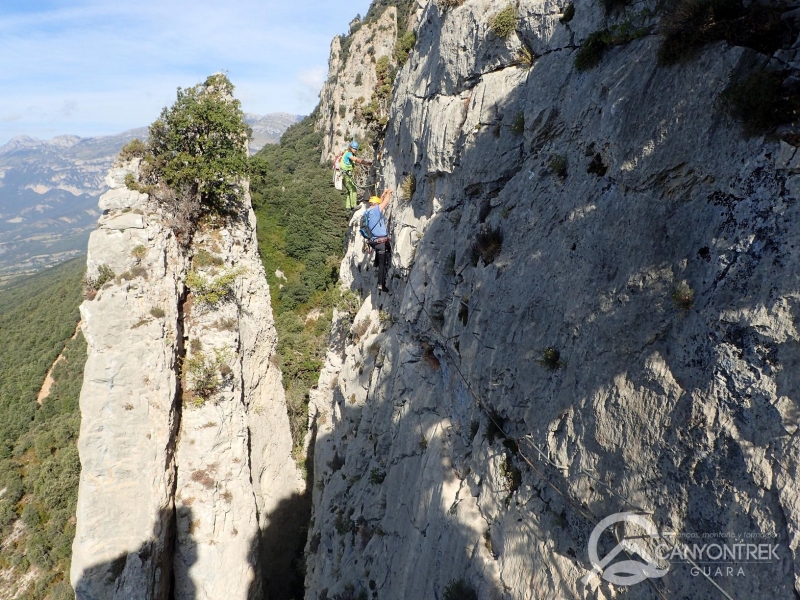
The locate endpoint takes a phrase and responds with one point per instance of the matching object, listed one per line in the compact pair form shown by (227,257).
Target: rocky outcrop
(352,81)
(184,443)
(594,311)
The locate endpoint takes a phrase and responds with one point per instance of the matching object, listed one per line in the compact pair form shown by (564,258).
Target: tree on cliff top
(195,159)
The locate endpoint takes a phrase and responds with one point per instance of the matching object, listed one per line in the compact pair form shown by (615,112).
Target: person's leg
(382,251)
(352,191)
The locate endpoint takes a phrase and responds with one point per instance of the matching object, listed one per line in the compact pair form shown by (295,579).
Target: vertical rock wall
(539,302)
(353,77)
(177,493)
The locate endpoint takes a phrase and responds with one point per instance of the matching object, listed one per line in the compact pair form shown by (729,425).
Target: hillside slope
(38,456)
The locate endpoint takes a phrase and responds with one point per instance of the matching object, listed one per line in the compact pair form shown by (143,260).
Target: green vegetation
(376,476)
(403,47)
(760,102)
(551,358)
(504,23)
(212,292)
(445,4)
(487,246)
(408,187)
(525,57)
(136,148)
(518,125)
(194,162)
(557,165)
(198,144)
(694,23)
(204,374)
(683,296)
(139,252)
(301,227)
(459,589)
(376,113)
(39,465)
(104,275)
(204,258)
(596,43)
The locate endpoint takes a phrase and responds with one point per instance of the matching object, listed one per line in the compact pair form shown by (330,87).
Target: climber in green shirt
(348,162)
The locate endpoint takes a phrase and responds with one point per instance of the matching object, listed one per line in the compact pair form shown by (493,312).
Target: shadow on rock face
(277,552)
(145,573)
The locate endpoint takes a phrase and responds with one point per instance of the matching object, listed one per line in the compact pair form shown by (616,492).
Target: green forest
(301,227)
(39,466)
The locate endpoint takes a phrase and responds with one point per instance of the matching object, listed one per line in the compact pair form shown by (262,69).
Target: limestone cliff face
(176,492)
(537,302)
(352,77)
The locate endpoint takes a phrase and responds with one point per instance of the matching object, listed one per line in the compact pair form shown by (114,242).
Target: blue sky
(98,67)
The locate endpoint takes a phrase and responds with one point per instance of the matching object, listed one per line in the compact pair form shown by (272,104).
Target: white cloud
(99,67)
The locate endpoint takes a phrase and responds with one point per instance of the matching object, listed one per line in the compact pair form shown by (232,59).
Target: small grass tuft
(518,125)
(376,476)
(551,358)
(557,165)
(408,187)
(504,23)
(204,258)
(525,57)
(139,252)
(157,312)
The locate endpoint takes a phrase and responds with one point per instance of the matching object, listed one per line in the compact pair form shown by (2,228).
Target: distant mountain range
(49,191)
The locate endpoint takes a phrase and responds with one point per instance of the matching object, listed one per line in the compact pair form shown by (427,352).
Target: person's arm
(386,196)
(362,161)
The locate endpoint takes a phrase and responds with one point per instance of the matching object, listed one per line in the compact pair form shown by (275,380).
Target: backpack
(364,229)
(337,171)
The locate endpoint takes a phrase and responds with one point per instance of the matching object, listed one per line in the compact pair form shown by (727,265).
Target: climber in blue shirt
(376,218)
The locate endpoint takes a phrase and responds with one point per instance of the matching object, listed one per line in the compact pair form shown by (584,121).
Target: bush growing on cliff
(692,24)
(212,292)
(596,43)
(504,23)
(195,160)
(760,102)
(205,373)
(403,47)
(445,4)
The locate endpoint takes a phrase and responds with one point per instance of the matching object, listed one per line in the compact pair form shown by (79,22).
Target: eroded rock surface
(537,293)
(177,488)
